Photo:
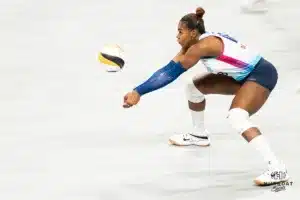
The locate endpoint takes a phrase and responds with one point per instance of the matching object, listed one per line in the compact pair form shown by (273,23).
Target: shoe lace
(186,136)
(267,172)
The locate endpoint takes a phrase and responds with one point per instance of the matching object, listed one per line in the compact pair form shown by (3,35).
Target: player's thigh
(216,84)
(250,97)
(257,88)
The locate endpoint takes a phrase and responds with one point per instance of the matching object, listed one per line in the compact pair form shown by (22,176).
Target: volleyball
(112,58)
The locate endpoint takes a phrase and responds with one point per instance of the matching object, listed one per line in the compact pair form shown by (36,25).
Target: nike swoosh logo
(200,137)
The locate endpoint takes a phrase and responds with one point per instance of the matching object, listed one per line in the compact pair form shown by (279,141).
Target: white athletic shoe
(188,139)
(274,175)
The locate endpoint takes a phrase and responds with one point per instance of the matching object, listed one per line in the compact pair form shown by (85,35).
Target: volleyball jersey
(236,59)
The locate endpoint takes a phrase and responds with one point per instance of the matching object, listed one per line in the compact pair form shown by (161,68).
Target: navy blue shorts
(264,73)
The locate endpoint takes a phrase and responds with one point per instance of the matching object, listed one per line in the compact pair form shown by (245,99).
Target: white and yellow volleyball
(112,58)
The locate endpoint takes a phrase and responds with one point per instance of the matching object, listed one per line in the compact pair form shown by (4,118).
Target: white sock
(198,123)
(261,145)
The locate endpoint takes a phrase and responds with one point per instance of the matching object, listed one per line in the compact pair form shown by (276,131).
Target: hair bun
(200,12)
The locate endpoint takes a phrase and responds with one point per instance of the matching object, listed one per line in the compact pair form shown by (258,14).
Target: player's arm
(176,67)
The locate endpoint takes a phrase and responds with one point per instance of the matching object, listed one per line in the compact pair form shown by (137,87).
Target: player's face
(185,36)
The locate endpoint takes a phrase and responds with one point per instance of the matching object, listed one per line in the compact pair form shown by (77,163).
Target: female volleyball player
(233,70)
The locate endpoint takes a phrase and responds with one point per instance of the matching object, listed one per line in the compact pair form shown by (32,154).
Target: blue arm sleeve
(161,78)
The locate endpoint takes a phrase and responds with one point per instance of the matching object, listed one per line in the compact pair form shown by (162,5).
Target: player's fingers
(126,104)
(125,97)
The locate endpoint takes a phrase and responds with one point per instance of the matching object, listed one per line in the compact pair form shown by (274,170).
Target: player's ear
(194,34)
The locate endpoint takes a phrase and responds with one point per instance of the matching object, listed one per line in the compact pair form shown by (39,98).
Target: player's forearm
(161,78)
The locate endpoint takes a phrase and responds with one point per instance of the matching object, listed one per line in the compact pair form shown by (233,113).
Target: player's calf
(198,135)
(239,120)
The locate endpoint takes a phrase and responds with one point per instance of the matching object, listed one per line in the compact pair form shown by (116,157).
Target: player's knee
(239,120)
(193,94)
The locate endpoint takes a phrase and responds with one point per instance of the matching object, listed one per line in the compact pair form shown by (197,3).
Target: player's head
(190,27)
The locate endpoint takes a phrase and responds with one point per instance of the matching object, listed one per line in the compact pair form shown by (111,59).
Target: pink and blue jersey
(236,59)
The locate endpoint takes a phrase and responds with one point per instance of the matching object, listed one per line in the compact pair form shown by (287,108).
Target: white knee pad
(192,93)
(239,120)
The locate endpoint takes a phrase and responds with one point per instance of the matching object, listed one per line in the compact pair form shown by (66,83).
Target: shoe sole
(261,183)
(172,142)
